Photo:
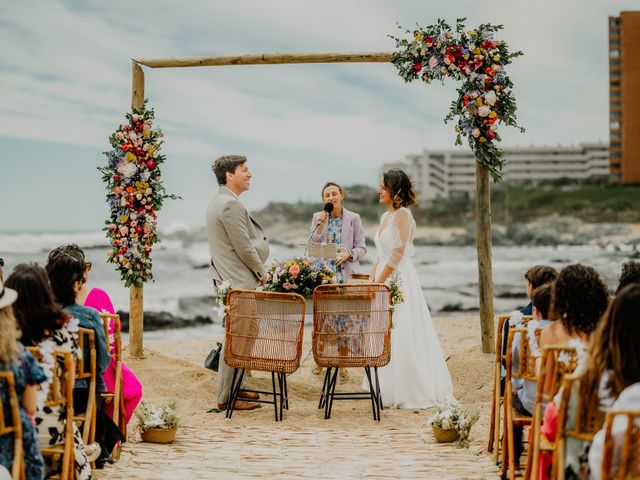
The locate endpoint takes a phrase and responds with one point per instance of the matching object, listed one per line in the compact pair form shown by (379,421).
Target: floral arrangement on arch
(298,275)
(135,194)
(476,58)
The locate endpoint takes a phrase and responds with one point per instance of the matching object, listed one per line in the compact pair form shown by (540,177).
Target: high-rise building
(624,100)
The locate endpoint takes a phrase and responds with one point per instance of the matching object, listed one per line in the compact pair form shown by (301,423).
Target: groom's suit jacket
(237,244)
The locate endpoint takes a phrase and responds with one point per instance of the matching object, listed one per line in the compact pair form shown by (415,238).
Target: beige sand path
(349,445)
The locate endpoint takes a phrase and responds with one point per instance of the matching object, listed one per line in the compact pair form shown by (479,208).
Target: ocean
(448,273)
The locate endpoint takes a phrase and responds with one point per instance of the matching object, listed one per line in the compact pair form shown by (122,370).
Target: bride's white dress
(417,375)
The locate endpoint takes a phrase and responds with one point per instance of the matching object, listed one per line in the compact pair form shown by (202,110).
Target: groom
(238,249)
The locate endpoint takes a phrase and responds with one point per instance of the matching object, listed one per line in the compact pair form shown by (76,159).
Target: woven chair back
(352,325)
(556,363)
(10,423)
(526,366)
(621,457)
(589,415)
(264,330)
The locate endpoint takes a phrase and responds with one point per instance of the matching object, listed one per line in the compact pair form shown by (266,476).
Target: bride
(417,375)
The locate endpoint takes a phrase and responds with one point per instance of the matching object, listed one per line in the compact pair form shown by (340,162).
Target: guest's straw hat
(7,296)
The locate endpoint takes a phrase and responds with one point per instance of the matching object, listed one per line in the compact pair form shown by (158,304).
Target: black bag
(213,359)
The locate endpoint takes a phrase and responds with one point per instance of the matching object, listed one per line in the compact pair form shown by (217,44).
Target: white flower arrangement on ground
(151,416)
(454,415)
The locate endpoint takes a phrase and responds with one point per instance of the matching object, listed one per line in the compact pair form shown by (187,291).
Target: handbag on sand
(213,359)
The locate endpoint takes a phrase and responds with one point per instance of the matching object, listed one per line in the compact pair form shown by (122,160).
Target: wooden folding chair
(111,323)
(60,397)
(588,420)
(86,421)
(263,333)
(14,427)
(622,461)
(512,417)
(498,389)
(351,328)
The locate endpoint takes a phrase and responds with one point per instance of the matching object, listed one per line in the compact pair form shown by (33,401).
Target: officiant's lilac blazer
(351,239)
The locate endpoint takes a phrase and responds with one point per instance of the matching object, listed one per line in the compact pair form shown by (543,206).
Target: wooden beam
(483,245)
(136,309)
(265,59)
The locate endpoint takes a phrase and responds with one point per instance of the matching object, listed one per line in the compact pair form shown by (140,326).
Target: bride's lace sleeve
(403,222)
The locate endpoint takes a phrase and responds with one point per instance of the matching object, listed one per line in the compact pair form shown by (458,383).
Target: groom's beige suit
(238,248)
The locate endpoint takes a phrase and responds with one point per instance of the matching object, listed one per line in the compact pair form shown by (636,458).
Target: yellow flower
(476,51)
(418,36)
(479,102)
(493,115)
(131,157)
(124,219)
(482,140)
(496,58)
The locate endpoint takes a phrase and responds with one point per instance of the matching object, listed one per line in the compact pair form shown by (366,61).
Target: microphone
(328,207)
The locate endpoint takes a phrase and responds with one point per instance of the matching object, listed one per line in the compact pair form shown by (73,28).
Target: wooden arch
(483,202)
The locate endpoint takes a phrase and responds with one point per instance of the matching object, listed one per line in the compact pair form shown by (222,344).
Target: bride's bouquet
(397,297)
(298,275)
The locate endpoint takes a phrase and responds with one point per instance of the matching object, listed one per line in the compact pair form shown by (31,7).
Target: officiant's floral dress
(334,235)
(50,421)
(26,371)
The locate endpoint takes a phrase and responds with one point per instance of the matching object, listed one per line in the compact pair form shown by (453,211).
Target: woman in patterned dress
(344,228)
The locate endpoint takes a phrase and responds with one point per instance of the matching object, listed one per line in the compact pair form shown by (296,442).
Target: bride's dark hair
(400,187)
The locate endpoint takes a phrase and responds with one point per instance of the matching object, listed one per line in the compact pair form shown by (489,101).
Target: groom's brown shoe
(249,395)
(240,405)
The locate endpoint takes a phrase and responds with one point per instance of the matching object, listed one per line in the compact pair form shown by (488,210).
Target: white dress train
(417,375)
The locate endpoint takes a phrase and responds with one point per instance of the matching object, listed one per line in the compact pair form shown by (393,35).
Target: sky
(65,85)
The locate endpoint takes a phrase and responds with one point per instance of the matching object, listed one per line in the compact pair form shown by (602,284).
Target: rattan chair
(86,370)
(588,420)
(14,426)
(622,461)
(112,333)
(498,387)
(60,396)
(263,333)
(351,328)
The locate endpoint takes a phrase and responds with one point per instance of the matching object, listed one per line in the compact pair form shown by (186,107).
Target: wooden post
(483,244)
(136,310)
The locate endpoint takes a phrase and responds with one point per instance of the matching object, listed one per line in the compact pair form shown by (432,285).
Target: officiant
(336,224)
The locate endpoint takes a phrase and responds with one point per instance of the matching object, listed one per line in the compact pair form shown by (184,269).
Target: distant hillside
(510,204)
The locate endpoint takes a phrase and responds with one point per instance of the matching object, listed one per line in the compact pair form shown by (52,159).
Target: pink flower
(294,270)
(484,110)
(475,133)
(433,62)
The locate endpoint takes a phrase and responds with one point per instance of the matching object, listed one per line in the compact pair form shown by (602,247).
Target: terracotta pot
(445,436)
(159,435)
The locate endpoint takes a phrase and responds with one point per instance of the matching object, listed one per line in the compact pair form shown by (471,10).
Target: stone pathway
(278,452)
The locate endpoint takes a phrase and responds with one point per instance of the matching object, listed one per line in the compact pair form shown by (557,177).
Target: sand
(174,370)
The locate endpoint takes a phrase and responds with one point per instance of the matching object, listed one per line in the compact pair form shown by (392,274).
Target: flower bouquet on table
(298,275)
(158,424)
(453,422)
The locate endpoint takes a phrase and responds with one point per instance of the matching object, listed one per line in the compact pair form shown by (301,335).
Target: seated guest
(578,300)
(524,391)
(630,274)
(46,326)
(536,277)
(613,369)
(99,300)
(66,269)
(27,375)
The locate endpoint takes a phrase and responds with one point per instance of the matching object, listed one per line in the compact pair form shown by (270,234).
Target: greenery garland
(135,194)
(485,97)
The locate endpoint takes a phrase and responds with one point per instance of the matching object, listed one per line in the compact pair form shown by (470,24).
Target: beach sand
(304,445)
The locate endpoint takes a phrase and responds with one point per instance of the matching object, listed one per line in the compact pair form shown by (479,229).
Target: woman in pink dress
(131,386)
